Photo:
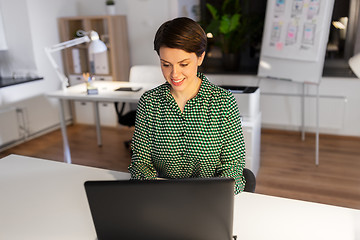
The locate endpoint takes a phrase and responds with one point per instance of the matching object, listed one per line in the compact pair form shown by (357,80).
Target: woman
(186,127)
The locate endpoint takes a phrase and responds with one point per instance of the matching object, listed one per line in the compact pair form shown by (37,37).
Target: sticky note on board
(279,46)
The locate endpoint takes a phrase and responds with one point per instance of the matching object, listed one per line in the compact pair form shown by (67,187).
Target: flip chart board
(295,38)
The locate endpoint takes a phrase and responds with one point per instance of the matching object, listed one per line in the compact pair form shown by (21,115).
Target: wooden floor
(287,164)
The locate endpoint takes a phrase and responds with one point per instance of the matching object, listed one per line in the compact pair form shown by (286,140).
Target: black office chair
(250,180)
(127,119)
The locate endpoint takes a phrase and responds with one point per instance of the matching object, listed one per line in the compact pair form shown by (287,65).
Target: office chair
(138,73)
(250,180)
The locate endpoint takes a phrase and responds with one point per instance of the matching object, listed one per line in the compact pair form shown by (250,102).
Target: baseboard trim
(33,136)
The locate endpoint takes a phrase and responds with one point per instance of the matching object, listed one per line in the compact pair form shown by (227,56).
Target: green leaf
(225,24)
(229,23)
(234,22)
(213,11)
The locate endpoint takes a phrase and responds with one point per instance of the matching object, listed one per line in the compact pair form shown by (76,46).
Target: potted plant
(230,30)
(110,7)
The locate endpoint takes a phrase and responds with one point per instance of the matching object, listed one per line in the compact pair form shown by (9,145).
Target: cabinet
(248,101)
(113,65)
(252,136)
(84,112)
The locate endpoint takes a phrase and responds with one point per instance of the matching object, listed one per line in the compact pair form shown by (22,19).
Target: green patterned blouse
(205,140)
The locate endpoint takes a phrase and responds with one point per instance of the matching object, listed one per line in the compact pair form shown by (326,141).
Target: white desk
(106,93)
(43,200)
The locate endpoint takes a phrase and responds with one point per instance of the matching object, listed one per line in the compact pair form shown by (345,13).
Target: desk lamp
(95,46)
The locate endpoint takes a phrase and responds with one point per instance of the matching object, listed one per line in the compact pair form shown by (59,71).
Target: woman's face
(180,68)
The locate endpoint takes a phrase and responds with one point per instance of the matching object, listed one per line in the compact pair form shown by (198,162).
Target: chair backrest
(250,179)
(146,73)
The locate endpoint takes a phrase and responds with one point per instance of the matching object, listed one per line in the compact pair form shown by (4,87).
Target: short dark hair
(182,33)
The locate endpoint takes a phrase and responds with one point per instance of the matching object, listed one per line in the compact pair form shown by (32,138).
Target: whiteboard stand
(317,121)
(317,126)
(303,113)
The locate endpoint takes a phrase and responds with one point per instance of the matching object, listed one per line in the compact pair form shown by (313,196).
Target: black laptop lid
(187,209)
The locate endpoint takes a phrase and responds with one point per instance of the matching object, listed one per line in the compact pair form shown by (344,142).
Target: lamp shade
(96,45)
(354,63)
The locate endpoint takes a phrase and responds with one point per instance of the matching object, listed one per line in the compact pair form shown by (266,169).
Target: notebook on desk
(187,209)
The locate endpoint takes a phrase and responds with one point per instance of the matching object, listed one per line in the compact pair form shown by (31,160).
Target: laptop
(181,209)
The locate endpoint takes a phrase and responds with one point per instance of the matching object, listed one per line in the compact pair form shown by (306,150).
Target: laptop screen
(186,209)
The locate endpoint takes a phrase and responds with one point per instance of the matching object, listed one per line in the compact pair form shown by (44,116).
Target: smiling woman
(180,69)
(181,46)
(186,127)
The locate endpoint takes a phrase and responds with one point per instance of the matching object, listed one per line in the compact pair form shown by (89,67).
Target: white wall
(43,16)
(20,54)
(144,18)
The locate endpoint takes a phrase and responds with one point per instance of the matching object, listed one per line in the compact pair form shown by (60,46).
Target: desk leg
(67,155)
(97,122)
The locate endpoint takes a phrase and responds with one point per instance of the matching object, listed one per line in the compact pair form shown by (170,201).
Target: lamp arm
(70,43)
(57,47)
(64,80)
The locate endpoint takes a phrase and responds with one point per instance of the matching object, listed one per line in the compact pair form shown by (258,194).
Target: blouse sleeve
(141,166)
(233,151)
